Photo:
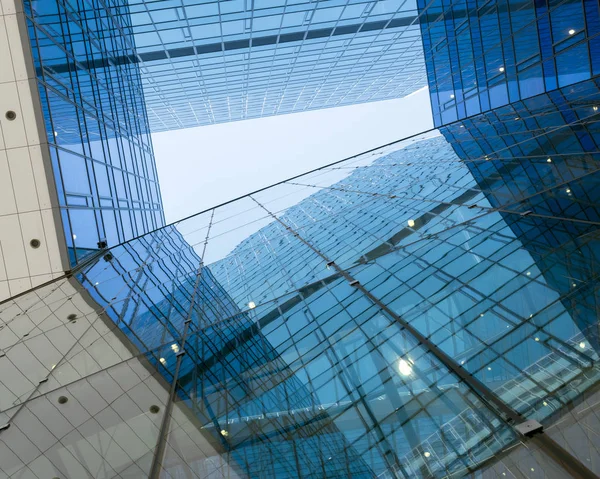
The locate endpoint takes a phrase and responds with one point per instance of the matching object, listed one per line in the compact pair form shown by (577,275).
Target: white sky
(202,167)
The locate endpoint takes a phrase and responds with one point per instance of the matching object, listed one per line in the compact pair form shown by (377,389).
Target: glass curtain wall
(482,55)
(95,117)
(400,314)
(205,62)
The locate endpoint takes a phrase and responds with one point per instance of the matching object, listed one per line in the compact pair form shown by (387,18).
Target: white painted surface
(105,429)
(27,200)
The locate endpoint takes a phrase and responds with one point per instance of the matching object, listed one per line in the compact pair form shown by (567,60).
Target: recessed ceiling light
(404,367)
(582,345)
(571,32)
(427,454)
(411,223)
(501,69)
(251,305)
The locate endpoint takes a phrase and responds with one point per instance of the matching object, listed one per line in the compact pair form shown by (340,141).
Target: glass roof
(401,313)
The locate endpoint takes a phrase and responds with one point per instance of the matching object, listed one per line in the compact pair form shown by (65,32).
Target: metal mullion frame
(508,415)
(155,471)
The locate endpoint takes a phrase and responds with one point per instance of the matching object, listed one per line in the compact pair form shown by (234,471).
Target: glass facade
(96,124)
(399,314)
(483,54)
(210,62)
(428,309)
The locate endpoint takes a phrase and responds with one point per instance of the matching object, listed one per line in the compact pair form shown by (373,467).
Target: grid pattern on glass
(210,62)
(95,118)
(483,55)
(280,343)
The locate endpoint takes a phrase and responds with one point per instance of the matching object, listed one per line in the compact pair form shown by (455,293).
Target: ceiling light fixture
(404,368)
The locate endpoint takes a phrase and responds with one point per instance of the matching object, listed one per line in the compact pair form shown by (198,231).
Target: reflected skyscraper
(428,309)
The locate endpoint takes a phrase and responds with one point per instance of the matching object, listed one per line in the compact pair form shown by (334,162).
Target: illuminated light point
(427,454)
(56,133)
(163,361)
(537,339)
(462,126)
(53,366)
(517,118)
(571,32)
(411,223)
(549,160)
(501,69)
(224,432)
(595,108)
(462,362)
(451,96)
(74,236)
(404,367)
(568,190)
(251,305)
(96,283)
(489,369)
(582,345)
(545,403)
(528,273)
(532,469)
(175,348)
(574,285)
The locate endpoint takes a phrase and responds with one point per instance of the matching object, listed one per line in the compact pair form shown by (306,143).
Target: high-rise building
(209,62)
(428,309)
(485,55)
